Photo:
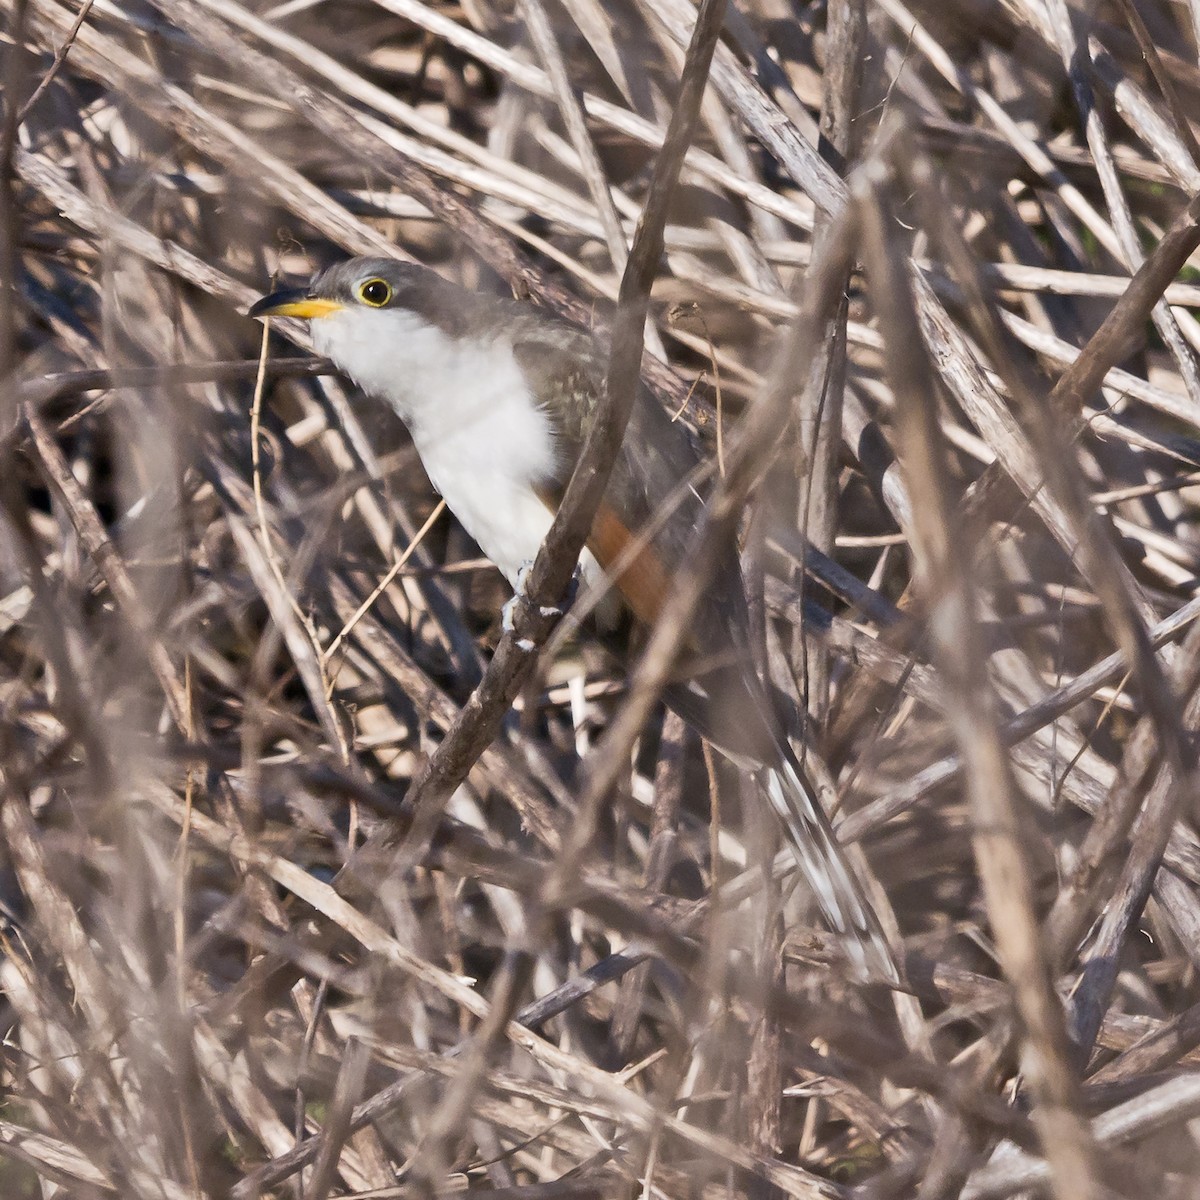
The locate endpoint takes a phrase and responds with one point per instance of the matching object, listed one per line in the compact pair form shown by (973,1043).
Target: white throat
(484,441)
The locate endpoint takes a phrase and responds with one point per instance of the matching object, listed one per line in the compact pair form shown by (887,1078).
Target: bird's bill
(294,302)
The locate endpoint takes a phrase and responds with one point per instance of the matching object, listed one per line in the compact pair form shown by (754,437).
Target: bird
(497,395)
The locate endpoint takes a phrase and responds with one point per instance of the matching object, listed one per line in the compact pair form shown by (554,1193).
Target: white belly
(484,442)
(502,514)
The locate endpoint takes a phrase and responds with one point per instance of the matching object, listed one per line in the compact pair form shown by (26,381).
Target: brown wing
(726,703)
(643,580)
(566,367)
(720,695)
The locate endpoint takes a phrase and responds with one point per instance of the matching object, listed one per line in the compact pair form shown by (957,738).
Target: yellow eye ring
(375,292)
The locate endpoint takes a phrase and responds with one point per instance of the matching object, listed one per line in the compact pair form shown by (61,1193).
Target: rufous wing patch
(642,582)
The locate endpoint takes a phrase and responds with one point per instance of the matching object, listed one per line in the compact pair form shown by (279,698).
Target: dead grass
(234,968)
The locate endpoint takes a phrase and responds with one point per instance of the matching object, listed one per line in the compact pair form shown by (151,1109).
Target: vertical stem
(820,423)
(15,69)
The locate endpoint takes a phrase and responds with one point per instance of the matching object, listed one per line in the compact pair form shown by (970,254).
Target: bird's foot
(508,613)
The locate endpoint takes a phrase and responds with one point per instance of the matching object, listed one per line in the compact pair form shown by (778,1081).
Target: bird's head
(360,285)
(369,314)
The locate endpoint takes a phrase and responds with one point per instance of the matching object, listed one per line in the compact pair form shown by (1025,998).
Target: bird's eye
(375,292)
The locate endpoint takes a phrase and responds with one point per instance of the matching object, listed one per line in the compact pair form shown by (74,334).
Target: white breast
(484,442)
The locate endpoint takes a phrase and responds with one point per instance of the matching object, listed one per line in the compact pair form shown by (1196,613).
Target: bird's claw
(508,614)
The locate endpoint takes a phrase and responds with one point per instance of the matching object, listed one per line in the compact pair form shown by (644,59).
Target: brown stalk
(945,575)
(820,409)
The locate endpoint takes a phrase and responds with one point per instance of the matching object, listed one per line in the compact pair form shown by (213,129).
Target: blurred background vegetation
(202,998)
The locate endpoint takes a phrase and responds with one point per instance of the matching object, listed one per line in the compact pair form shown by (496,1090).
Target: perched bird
(497,396)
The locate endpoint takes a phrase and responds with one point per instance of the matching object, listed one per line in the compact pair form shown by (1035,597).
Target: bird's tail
(730,708)
(840,896)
